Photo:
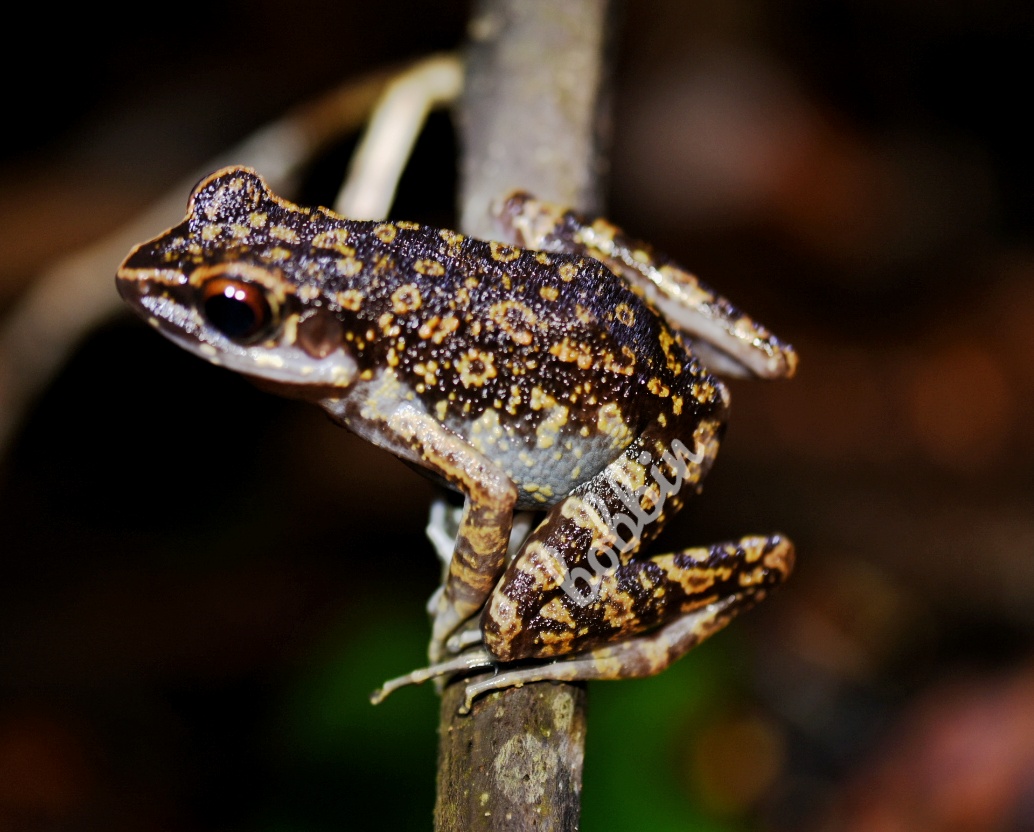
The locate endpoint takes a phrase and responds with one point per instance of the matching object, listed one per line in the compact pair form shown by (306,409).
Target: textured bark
(514,763)
(534,110)
(533,118)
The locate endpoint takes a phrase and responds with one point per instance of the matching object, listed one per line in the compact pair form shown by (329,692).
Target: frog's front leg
(479,555)
(727,340)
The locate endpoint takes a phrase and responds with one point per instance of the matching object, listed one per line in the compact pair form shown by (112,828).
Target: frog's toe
(469,636)
(468,661)
(446,620)
(435,601)
(451,632)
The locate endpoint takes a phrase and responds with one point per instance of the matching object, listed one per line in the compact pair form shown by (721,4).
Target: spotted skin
(534,377)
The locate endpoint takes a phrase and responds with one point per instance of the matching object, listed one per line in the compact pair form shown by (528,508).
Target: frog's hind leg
(695,593)
(725,339)
(558,596)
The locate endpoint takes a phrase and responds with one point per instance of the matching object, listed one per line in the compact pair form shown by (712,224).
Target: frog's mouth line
(168,309)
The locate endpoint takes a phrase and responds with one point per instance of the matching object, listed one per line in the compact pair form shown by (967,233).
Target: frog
(564,369)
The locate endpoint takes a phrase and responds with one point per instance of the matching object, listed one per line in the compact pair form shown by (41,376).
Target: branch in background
(531,119)
(75,295)
(387,143)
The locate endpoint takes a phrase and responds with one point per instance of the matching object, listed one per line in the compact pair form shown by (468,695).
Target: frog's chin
(287,370)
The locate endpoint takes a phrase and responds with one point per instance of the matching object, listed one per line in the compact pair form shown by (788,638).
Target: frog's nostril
(239,310)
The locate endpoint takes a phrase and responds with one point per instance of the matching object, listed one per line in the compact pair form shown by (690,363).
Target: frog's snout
(128,288)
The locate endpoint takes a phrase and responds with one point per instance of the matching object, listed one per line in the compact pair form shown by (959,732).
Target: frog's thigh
(484,531)
(727,340)
(711,584)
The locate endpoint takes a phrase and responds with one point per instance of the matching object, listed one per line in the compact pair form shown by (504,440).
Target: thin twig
(532,119)
(387,144)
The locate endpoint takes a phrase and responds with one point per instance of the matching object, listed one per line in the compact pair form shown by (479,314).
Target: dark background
(200,583)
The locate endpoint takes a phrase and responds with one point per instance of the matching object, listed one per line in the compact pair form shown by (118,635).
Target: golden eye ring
(242,311)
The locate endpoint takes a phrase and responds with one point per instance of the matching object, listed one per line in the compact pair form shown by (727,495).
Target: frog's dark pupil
(230,316)
(238,310)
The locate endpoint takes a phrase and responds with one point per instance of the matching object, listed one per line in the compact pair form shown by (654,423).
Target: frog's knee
(501,627)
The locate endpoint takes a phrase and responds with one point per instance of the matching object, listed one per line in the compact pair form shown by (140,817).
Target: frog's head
(235,284)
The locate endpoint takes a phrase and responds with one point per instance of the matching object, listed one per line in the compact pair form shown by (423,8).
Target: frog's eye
(240,310)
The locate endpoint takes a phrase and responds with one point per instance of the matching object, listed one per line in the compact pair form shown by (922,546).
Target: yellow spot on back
(349,266)
(351,299)
(453,240)
(657,387)
(515,319)
(556,611)
(573,351)
(540,399)
(428,371)
(431,268)
(282,232)
(549,293)
(388,325)
(475,367)
(514,401)
(406,299)
(549,428)
(568,272)
(611,422)
(503,253)
(624,314)
(383,263)
(624,366)
(385,232)
(438,329)
(666,340)
(335,239)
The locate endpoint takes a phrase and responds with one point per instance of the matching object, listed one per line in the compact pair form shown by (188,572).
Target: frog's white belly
(546,463)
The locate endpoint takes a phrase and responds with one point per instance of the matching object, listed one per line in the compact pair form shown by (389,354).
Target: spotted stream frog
(569,373)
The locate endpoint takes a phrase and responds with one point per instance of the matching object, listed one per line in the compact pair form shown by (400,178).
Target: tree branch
(532,118)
